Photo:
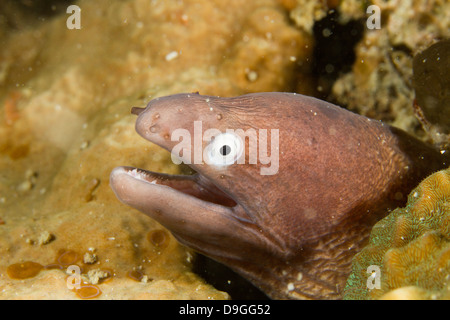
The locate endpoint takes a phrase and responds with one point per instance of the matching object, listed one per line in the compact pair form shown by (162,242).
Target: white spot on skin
(290,286)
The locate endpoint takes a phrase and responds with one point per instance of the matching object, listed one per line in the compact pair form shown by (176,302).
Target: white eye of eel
(224,149)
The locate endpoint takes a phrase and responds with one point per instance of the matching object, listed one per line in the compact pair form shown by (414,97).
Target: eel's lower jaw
(177,203)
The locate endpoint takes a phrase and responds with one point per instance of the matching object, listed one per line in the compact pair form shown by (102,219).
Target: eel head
(286,186)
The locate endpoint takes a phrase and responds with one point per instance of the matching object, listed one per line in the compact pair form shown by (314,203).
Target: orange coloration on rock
(88,291)
(159,238)
(67,257)
(11,112)
(24,270)
(135,275)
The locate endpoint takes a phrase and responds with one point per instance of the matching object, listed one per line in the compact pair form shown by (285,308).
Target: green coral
(410,248)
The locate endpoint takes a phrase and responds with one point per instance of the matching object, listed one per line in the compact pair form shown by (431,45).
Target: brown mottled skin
(292,234)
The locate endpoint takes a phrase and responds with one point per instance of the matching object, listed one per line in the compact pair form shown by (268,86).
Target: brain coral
(408,255)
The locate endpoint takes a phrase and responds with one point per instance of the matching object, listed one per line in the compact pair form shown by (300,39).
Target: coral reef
(65,97)
(408,256)
(379,85)
(65,123)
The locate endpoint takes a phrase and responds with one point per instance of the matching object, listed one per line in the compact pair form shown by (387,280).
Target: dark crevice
(334,51)
(18,14)
(224,279)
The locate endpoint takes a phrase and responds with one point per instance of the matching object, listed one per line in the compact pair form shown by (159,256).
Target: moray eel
(290,225)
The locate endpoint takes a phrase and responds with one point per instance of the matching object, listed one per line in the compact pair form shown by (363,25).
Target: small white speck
(290,286)
(171,55)
(252,76)
(84,145)
(112,238)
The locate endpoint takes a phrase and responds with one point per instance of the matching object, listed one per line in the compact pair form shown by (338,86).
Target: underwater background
(65,123)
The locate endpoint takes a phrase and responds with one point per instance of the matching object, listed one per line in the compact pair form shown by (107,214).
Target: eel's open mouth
(195,210)
(195,185)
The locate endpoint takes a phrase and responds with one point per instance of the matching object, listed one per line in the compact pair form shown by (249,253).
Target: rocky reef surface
(65,122)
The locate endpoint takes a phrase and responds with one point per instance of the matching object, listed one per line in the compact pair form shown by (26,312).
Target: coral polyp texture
(408,256)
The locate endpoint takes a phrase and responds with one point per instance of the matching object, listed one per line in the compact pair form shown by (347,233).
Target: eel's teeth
(141,175)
